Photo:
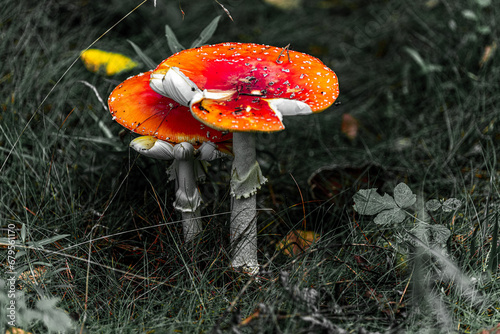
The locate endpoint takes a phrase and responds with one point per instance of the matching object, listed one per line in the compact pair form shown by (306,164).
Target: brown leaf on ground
(297,241)
(15,330)
(495,330)
(488,53)
(350,126)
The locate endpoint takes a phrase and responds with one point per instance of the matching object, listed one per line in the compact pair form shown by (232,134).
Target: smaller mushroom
(169,133)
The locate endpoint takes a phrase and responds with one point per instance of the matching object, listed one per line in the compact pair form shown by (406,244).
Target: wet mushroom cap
(137,107)
(261,77)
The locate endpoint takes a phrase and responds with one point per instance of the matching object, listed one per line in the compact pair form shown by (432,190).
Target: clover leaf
(403,196)
(388,209)
(369,202)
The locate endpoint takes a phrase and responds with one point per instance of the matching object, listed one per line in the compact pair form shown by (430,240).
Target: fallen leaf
(15,330)
(350,126)
(488,52)
(431,3)
(284,4)
(34,276)
(108,63)
(248,319)
(297,241)
(495,330)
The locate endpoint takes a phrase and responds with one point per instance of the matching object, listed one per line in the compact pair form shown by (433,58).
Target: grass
(411,73)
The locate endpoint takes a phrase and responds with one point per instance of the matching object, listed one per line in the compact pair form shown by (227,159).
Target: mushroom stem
(191,224)
(188,198)
(245,180)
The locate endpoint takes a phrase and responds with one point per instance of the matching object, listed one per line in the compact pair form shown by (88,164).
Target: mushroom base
(191,224)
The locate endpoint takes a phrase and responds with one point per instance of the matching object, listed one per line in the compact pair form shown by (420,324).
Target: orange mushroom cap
(266,83)
(137,107)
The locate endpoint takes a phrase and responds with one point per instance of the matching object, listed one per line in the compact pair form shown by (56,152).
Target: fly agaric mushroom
(169,133)
(245,88)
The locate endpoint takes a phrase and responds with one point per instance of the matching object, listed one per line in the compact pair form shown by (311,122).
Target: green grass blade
(145,59)
(172,41)
(48,240)
(495,251)
(207,33)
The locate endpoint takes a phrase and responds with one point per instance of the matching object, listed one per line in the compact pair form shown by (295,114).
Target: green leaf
(416,57)
(57,321)
(54,318)
(483,3)
(424,66)
(145,59)
(48,240)
(41,263)
(47,304)
(403,196)
(451,204)
(172,41)
(206,33)
(29,316)
(469,14)
(439,233)
(392,216)
(483,30)
(432,205)
(20,254)
(23,232)
(369,202)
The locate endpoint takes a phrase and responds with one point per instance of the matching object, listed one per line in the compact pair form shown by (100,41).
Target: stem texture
(243,213)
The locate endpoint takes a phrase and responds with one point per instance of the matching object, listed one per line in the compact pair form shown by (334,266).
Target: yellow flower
(108,63)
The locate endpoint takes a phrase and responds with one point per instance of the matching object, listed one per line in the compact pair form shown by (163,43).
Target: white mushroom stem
(245,180)
(184,172)
(188,198)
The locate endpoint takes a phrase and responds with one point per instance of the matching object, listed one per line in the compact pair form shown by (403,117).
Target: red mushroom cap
(267,82)
(137,107)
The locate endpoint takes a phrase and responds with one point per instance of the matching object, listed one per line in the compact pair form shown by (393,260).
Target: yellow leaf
(108,63)
(15,330)
(297,241)
(284,4)
(27,275)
